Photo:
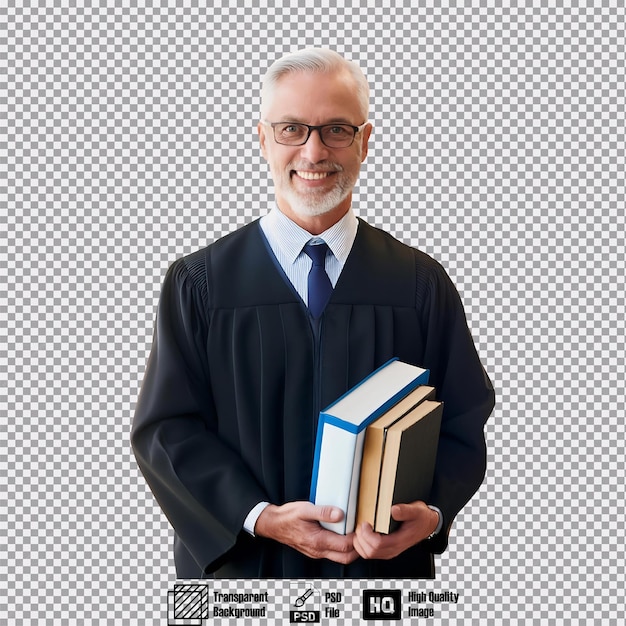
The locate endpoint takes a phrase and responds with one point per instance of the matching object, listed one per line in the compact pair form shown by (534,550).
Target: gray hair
(318,60)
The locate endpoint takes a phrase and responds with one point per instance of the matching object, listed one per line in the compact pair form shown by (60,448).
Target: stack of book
(376,446)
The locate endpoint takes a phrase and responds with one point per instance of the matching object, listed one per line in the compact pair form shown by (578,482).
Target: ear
(367,131)
(262,138)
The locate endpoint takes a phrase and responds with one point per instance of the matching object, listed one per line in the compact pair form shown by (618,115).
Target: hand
(297,524)
(418,522)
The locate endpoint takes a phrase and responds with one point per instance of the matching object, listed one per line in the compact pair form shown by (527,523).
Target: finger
(405,512)
(333,542)
(320,543)
(322,513)
(343,557)
(360,548)
(329,514)
(367,550)
(366,541)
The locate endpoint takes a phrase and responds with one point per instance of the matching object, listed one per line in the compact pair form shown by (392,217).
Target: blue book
(341,435)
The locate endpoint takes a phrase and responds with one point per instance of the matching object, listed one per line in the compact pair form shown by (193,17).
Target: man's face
(314,179)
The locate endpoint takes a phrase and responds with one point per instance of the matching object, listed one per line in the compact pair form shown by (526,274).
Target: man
(225,425)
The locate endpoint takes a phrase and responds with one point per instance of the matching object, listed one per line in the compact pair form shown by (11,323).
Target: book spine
(335,470)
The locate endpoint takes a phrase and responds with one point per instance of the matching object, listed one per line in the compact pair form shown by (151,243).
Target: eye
(338,131)
(291,130)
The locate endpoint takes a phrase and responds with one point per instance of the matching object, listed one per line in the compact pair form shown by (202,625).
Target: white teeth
(312,175)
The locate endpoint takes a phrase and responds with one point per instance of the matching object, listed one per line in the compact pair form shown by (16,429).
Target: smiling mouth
(312,175)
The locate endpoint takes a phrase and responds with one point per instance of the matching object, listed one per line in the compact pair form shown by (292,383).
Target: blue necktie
(318,282)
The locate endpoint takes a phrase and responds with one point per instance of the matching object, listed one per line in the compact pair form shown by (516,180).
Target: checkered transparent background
(128,140)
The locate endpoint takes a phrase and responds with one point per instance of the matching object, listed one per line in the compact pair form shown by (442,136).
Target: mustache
(322,166)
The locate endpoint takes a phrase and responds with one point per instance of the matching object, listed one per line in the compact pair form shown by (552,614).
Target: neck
(316,224)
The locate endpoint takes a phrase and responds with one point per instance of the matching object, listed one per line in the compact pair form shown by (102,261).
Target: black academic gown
(238,373)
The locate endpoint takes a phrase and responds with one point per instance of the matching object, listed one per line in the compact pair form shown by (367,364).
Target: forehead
(315,98)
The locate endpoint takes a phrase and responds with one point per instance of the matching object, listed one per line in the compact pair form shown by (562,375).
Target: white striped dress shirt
(287,239)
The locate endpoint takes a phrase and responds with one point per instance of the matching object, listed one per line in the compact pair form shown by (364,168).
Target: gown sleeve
(202,485)
(468,396)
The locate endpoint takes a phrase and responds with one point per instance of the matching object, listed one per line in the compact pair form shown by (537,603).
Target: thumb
(329,513)
(403,512)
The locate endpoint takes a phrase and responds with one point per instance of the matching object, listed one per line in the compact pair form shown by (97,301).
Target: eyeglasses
(332,135)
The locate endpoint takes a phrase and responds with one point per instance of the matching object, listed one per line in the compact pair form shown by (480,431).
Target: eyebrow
(336,120)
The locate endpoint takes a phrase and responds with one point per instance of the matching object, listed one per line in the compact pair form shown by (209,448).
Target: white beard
(315,203)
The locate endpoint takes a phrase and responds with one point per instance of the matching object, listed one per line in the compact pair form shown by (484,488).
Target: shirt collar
(291,238)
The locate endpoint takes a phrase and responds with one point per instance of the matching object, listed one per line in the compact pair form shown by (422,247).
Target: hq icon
(382,604)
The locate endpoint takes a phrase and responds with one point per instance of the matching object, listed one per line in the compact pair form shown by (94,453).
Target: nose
(314,149)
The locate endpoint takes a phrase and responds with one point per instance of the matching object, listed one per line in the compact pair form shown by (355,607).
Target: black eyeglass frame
(355,129)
